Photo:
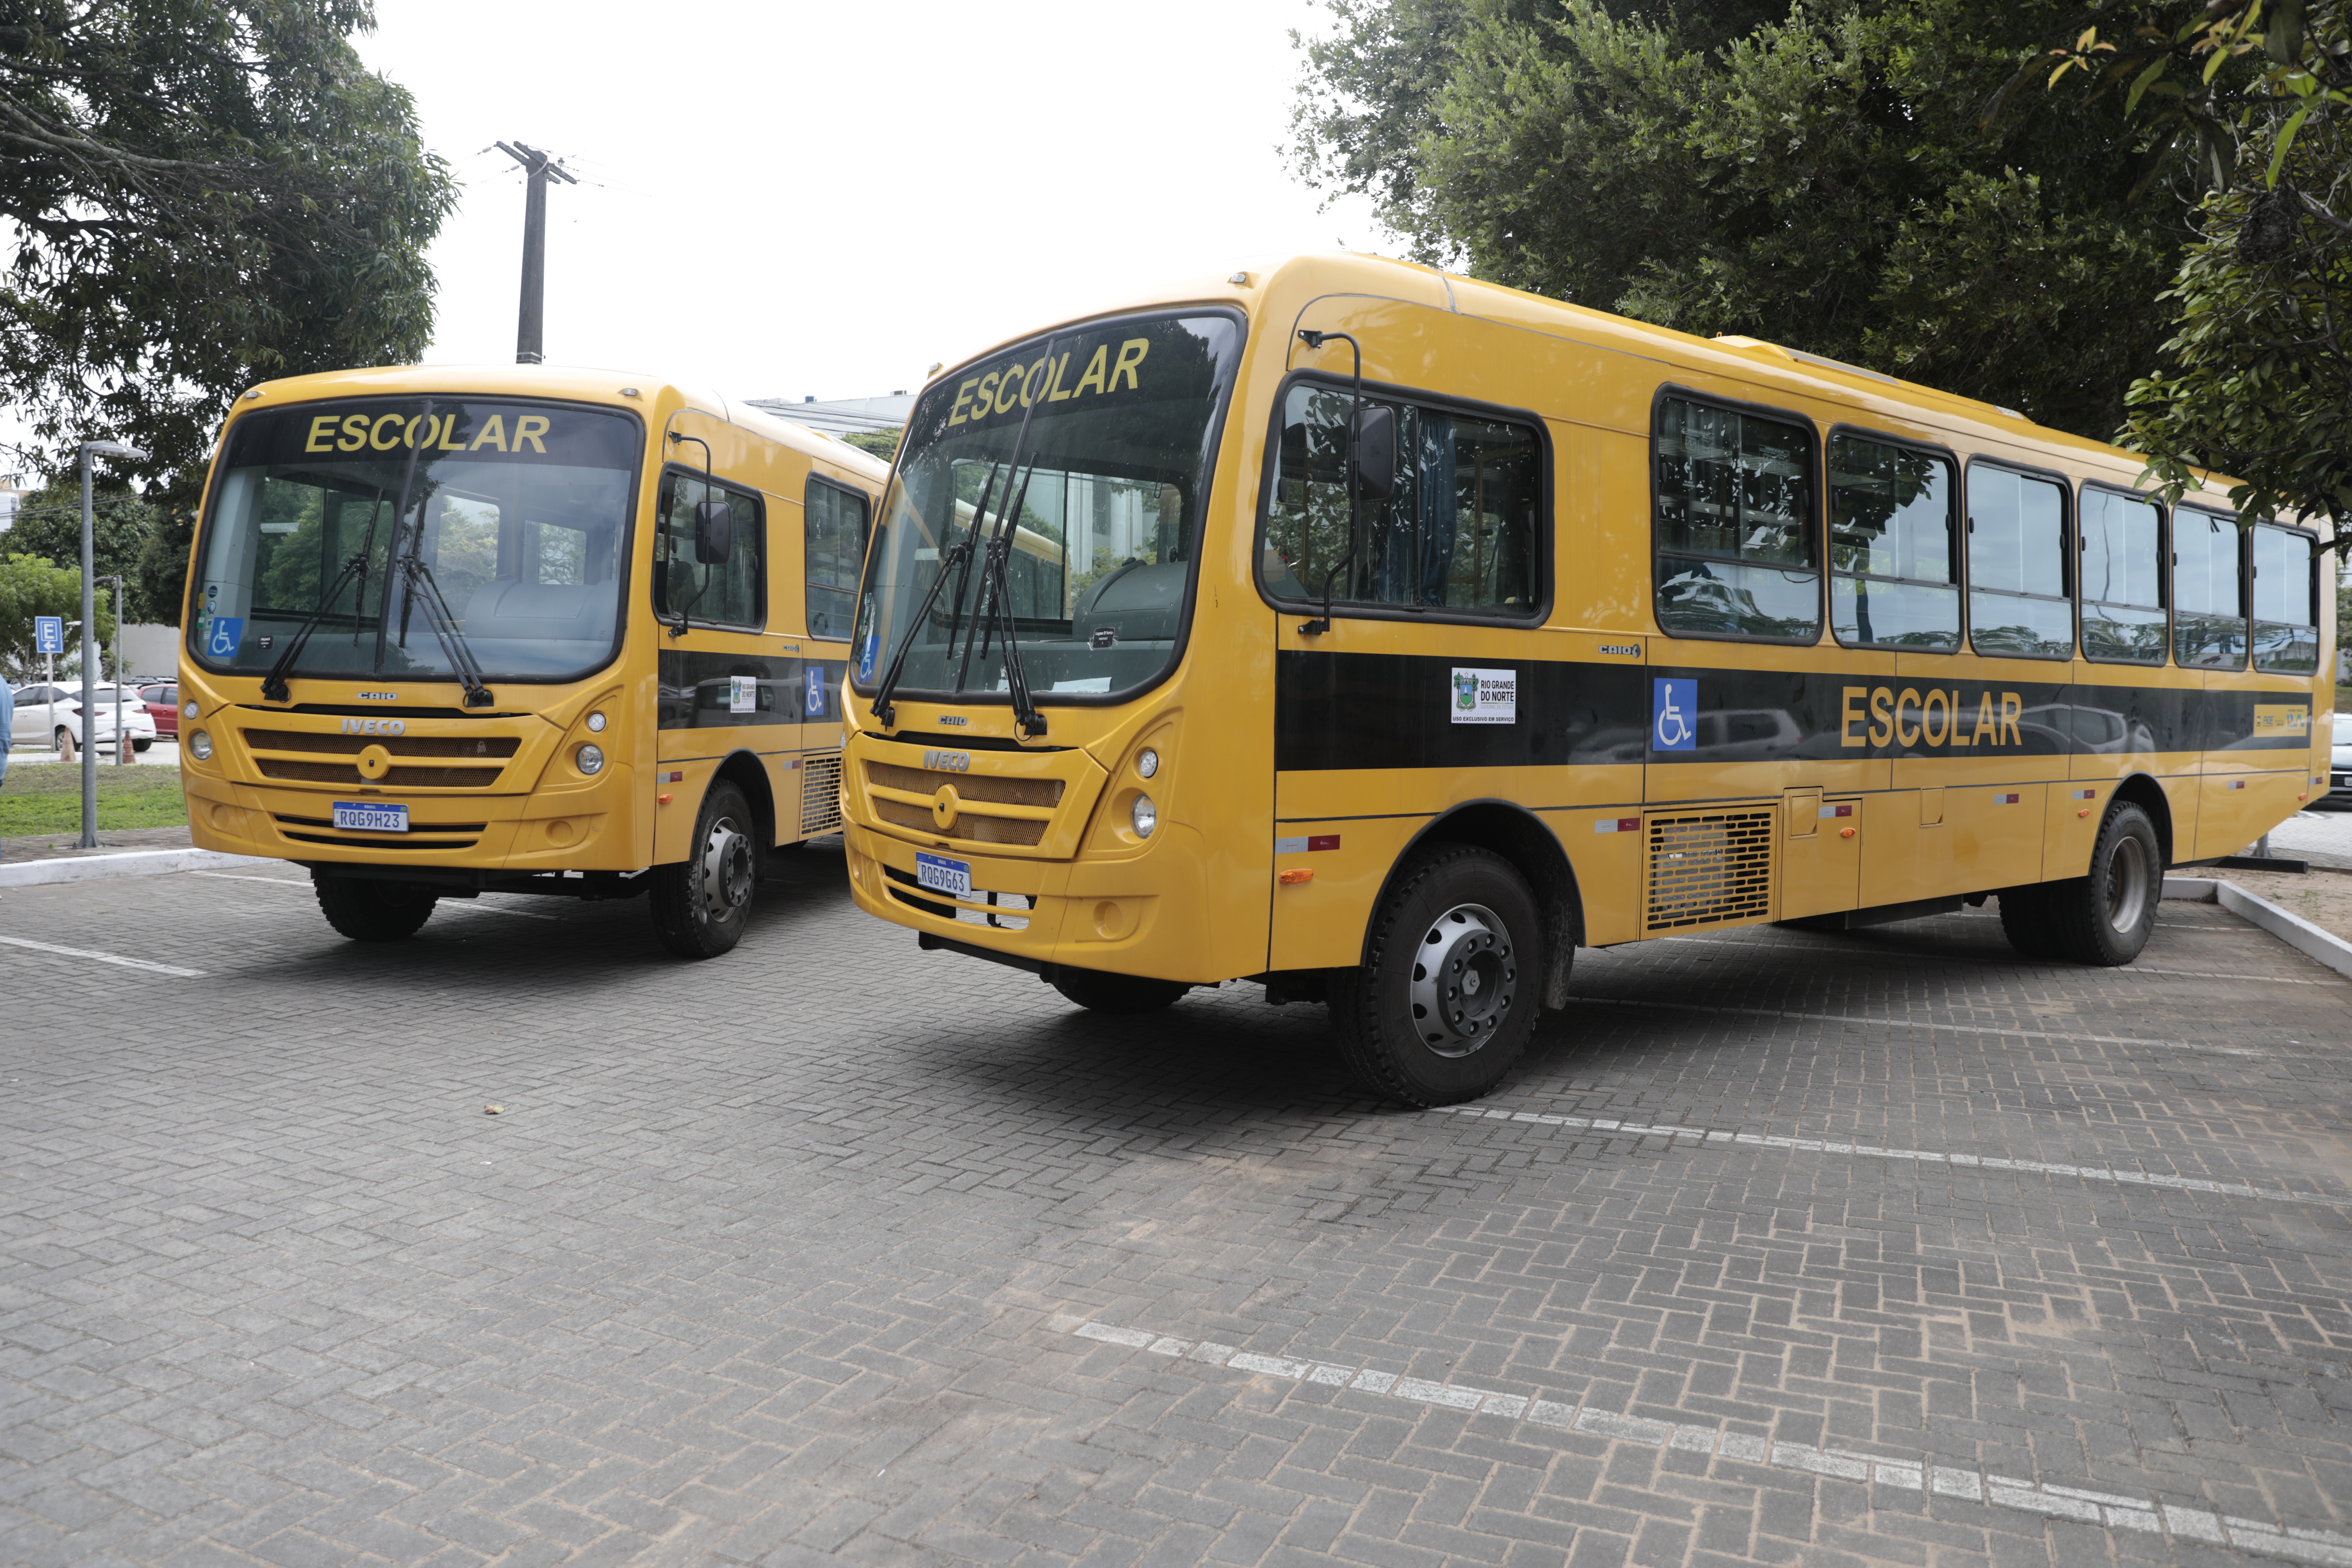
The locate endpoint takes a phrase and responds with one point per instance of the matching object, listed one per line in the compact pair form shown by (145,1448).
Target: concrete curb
(136,863)
(2290,929)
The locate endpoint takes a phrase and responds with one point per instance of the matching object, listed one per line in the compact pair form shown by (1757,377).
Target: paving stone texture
(1778,1247)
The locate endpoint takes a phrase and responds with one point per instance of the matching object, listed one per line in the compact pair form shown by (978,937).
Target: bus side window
(1735,532)
(1892,582)
(2286,600)
(1460,534)
(2122,578)
(835,519)
(2018,598)
(732,592)
(2208,621)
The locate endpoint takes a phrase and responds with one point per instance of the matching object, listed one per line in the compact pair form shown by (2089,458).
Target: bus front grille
(990,808)
(420,835)
(820,794)
(315,756)
(1709,868)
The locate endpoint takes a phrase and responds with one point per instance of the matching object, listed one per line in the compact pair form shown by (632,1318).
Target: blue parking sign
(1673,715)
(48,633)
(227,632)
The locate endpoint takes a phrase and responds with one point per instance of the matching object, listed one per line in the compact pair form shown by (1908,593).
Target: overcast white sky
(793,199)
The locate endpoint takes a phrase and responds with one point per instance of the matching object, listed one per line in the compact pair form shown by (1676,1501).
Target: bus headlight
(596,722)
(1146,816)
(591,759)
(1148,765)
(200,745)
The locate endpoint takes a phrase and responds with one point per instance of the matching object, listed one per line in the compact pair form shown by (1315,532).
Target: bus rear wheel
(1100,992)
(702,905)
(1447,996)
(2025,919)
(365,910)
(2106,917)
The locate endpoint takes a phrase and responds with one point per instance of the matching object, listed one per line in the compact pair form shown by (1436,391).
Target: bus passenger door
(1820,854)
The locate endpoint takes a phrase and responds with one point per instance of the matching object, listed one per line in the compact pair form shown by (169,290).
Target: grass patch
(47,798)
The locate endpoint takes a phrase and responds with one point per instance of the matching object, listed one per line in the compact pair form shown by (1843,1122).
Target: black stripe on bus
(695,690)
(1353,711)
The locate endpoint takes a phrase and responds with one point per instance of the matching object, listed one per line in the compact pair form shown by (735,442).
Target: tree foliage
(34,585)
(2256,381)
(882,444)
(201,194)
(1826,176)
(123,527)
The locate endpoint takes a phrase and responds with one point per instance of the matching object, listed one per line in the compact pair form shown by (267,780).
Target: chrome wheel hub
(1465,977)
(726,870)
(2127,885)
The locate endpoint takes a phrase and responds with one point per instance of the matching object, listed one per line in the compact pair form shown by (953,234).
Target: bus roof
(1254,283)
(575,384)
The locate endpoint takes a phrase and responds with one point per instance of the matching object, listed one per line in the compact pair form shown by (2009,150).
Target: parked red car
(163,707)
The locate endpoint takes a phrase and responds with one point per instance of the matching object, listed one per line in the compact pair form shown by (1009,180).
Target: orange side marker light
(1845,833)
(663,798)
(1295,875)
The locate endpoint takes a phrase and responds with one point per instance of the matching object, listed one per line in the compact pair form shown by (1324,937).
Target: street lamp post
(89,632)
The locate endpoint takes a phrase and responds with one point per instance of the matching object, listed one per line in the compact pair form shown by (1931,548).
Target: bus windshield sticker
(1673,715)
(1484,697)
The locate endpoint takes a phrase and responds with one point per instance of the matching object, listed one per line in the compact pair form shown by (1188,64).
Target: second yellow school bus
(1384,637)
(519,628)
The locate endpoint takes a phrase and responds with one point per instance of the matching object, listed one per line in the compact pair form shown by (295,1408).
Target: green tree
(1825,177)
(2256,378)
(882,444)
(201,194)
(123,530)
(31,585)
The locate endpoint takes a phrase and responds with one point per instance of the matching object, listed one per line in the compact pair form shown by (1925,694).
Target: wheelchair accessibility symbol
(1673,715)
(227,632)
(815,700)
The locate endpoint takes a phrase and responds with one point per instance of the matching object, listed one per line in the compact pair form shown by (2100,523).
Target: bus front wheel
(702,905)
(1447,996)
(365,910)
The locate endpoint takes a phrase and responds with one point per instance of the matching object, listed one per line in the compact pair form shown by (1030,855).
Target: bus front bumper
(1141,916)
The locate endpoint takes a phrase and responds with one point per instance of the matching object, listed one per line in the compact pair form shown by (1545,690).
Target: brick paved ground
(1780,1248)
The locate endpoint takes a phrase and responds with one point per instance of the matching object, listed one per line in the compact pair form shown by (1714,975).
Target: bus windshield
(1096,505)
(400,531)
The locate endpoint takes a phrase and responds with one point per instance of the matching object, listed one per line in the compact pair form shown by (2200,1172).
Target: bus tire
(2105,918)
(365,910)
(701,904)
(1119,993)
(1452,981)
(2025,919)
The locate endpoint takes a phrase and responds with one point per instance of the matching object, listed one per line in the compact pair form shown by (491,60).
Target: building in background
(842,416)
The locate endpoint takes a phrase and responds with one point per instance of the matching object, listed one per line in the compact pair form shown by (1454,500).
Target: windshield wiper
(956,558)
(454,647)
(273,685)
(996,593)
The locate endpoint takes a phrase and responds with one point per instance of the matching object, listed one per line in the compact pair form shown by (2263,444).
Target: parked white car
(2340,763)
(51,716)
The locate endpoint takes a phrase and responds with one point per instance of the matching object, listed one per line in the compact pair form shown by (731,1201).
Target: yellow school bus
(522,629)
(1411,633)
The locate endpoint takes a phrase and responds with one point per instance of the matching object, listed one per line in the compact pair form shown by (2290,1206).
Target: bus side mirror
(1376,454)
(714,533)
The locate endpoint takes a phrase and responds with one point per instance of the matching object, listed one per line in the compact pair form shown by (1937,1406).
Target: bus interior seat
(506,609)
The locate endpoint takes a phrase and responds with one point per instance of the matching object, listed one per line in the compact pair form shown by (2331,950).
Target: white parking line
(1764,946)
(236,876)
(2205,1527)
(1919,1024)
(1920,1156)
(102,957)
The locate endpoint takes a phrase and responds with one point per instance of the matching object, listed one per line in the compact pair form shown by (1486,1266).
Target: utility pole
(90,636)
(530,324)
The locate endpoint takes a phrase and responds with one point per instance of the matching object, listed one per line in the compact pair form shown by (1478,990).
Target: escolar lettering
(1941,716)
(999,391)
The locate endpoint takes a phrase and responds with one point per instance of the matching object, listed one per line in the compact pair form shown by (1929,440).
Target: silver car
(50,716)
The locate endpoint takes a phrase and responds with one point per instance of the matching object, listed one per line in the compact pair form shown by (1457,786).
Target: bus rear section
(541,631)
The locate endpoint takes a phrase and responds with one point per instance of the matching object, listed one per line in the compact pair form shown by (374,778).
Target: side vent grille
(820,793)
(1711,868)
